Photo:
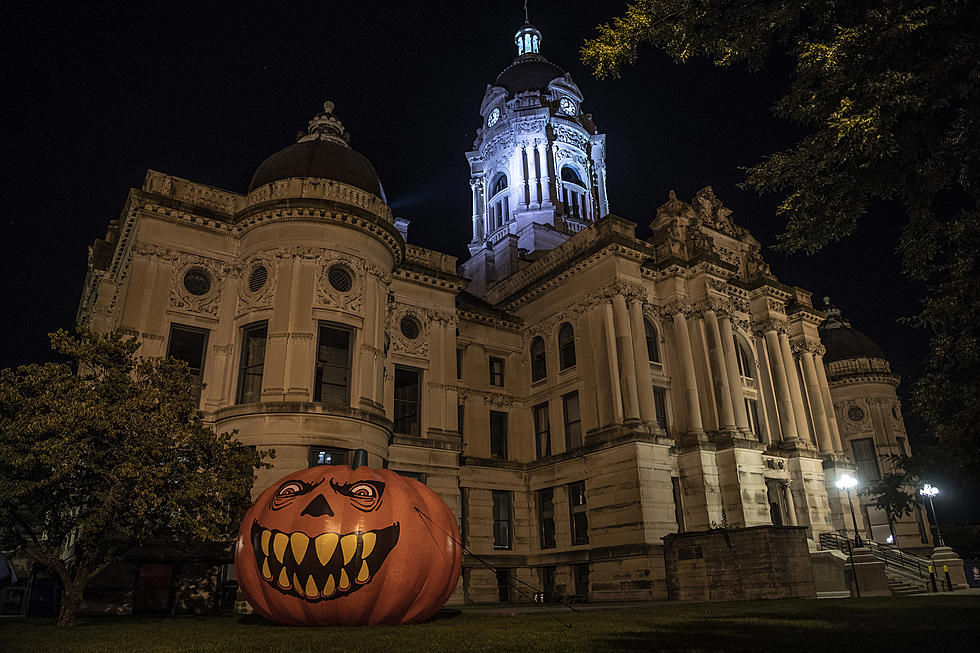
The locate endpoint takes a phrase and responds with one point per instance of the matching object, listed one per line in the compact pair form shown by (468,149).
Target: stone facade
(574,393)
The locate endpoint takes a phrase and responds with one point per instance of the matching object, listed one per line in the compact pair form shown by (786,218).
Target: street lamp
(930,491)
(847,482)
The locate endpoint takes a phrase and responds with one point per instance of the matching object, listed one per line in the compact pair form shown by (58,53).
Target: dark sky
(96,93)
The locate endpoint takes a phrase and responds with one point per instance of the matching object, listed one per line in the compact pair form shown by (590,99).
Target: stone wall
(761,562)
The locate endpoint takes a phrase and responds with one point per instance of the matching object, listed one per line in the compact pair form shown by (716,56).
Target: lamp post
(847,483)
(929,491)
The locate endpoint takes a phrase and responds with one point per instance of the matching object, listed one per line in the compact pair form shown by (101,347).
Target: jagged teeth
(265,541)
(266,573)
(329,587)
(311,589)
(368,540)
(325,545)
(348,544)
(363,574)
(298,543)
(283,579)
(279,543)
(344,584)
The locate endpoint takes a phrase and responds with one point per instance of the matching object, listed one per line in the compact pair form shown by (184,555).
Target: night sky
(97,94)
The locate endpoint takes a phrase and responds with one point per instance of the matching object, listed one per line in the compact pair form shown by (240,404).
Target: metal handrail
(892,556)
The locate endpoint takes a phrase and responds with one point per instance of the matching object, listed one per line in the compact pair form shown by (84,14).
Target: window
(675,485)
(539,364)
(653,342)
(459,363)
(744,359)
(252,363)
(573,420)
(573,194)
(415,476)
(499,204)
(408,400)
(752,410)
(660,406)
(577,513)
(497,371)
(566,347)
(332,382)
(546,517)
(501,519)
(503,585)
(542,430)
(327,456)
(460,418)
(499,185)
(498,435)
(189,345)
(581,574)
(865,459)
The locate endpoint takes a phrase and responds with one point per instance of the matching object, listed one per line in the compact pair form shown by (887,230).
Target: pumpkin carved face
(331,545)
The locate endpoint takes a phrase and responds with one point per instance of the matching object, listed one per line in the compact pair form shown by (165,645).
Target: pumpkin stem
(360,459)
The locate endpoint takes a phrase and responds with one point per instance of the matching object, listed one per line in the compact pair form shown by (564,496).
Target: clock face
(566,106)
(493,117)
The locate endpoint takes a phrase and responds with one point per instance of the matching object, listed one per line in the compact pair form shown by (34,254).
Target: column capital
(767,325)
(807,347)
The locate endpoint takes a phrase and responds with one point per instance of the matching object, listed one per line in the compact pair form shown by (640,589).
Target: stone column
(595,336)
(544,175)
(790,504)
(526,174)
(641,360)
(536,196)
(828,404)
(690,384)
(627,361)
(615,388)
(784,404)
(734,381)
(824,439)
(795,391)
(716,356)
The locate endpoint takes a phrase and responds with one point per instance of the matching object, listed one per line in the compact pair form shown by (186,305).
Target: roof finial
(325,126)
(527,21)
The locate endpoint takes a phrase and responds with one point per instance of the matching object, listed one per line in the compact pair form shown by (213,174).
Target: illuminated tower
(538,165)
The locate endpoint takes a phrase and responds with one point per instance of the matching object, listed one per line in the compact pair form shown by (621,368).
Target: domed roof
(322,152)
(528,73)
(844,341)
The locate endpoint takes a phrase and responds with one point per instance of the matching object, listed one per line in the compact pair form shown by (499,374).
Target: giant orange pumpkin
(331,545)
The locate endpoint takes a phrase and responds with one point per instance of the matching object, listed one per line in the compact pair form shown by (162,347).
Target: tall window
(459,363)
(865,459)
(573,420)
(660,406)
(327,456)
(542,430)
(460,418)
(744,359)
(252,363)
(408,400)
(498,435)
(546,517)
(332,383)
(539,363)
(497,371)
(752,409)
(566,347)
(579,517)
(502,519)
(499,204)
(573,194)
(653,342)
(189,345)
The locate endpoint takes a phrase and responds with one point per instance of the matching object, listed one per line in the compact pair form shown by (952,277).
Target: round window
(197,282)
(258,278)
(340,278)
(410,328)
(855,414)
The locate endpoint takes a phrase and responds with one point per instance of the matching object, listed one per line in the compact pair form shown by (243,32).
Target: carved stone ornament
(767,325)
(498,400)
(850,409)
(400,344)
(207,302)
(351,300)
(712,212)
(261,298)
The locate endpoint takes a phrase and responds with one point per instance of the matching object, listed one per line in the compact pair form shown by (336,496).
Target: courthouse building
(573,392)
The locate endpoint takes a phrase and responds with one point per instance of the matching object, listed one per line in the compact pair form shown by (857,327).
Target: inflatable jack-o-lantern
(331,545)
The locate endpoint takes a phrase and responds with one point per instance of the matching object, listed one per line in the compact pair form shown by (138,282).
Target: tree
(890,91)
(106,451)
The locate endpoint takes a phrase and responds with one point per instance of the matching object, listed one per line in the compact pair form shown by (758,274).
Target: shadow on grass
(258,620)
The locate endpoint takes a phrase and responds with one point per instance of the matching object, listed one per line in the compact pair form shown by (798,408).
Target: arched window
(653,342)
(499,204)
(539,364)
(500,184)
(566,346)
(745,366)
(573,194)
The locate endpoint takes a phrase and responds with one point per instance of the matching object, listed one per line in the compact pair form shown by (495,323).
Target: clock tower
(537,168)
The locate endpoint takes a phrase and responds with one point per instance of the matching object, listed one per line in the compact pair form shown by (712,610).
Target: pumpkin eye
(363,495)
(289,491)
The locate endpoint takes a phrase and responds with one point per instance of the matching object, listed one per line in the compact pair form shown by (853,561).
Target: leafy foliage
(106,451)
(890,90)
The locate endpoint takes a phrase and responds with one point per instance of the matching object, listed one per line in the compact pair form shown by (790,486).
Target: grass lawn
(914,624)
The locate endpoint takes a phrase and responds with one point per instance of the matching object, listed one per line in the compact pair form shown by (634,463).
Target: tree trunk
(71,602)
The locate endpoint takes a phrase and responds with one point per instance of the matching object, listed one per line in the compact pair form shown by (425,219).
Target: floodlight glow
(929,491)
(846,482)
